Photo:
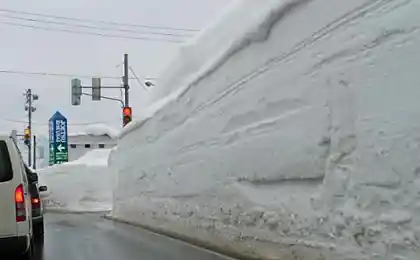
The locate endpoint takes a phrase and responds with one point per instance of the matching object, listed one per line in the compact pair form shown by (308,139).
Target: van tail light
(36,203)
(20,204)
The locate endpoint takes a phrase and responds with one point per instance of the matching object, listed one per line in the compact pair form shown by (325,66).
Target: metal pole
(29,99)
(126,85)
(34,166)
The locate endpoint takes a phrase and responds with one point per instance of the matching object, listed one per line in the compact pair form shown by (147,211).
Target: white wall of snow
(300,131)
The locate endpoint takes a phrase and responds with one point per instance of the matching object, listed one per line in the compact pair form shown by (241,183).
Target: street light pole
(76,89)
(125,79)
(29,107)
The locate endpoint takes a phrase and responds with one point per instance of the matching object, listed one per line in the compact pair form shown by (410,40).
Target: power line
(99,21)
(93,27)
(138,80)
(45,124)
(91,33)
(65,75)
(50,74)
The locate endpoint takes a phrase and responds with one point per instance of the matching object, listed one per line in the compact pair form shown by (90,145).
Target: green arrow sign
(58,139)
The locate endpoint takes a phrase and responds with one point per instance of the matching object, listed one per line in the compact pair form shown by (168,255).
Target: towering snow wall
(298,130)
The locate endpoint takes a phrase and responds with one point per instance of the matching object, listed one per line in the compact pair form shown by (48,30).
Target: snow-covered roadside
(84,185)
(308,136)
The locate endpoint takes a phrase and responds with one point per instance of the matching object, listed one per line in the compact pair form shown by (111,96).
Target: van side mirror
(43,188)
(33,177)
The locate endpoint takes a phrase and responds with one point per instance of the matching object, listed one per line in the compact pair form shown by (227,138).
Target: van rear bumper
(13,245)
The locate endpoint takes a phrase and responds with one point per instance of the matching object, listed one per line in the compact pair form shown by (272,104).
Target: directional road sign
(59,152)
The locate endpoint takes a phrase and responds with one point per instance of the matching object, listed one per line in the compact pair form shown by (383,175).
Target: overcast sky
(38,50)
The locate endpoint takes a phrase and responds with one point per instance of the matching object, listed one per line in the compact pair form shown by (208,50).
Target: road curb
(189,240)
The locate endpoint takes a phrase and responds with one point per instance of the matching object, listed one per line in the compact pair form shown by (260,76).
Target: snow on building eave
(89,134)
(97,130)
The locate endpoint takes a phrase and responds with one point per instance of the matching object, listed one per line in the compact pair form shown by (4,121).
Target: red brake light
(19,194)
(35,200)
(20,204)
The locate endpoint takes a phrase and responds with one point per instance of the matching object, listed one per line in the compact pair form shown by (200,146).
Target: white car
(16,235)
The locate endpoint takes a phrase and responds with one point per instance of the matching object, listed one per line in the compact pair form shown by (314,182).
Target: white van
(15,203)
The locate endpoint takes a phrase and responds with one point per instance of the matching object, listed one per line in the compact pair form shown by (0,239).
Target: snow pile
(98,130)
(84,185)
(300,134)
(98,157)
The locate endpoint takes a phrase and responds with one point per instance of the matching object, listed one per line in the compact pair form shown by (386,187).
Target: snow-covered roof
(97,130)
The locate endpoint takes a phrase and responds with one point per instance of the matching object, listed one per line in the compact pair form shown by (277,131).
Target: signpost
(58,135)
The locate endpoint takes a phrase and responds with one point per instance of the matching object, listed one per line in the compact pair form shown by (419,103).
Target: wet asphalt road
(91,237)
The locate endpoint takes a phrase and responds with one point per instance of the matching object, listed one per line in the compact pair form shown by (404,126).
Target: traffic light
(96,89)
(127,115)
(27,136)
(76,92)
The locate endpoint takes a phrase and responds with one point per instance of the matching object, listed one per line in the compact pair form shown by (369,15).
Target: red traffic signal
(127,111)
(127,115)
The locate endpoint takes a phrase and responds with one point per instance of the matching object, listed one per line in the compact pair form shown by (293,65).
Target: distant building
(81,143)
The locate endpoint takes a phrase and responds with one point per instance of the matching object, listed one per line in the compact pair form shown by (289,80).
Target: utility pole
(29,98)
(29,102)
(34,144)
(126,85)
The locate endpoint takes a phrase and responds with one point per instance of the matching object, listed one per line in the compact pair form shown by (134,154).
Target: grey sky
(27,49)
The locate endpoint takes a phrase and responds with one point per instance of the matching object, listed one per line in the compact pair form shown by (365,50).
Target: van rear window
(6,172)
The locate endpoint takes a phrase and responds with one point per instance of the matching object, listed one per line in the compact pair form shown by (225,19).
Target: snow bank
(293,126)
(98,157)
(84,185)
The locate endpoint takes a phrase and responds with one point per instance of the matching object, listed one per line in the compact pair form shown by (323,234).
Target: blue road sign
(58,143)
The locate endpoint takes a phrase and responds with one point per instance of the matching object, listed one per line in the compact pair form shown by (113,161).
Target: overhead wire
(92,33)
(94,27)
(51,74)
(99,21)
(138,80)
(38,123)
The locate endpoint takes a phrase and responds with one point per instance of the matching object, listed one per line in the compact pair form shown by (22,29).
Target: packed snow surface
(286,126)
(84,185)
